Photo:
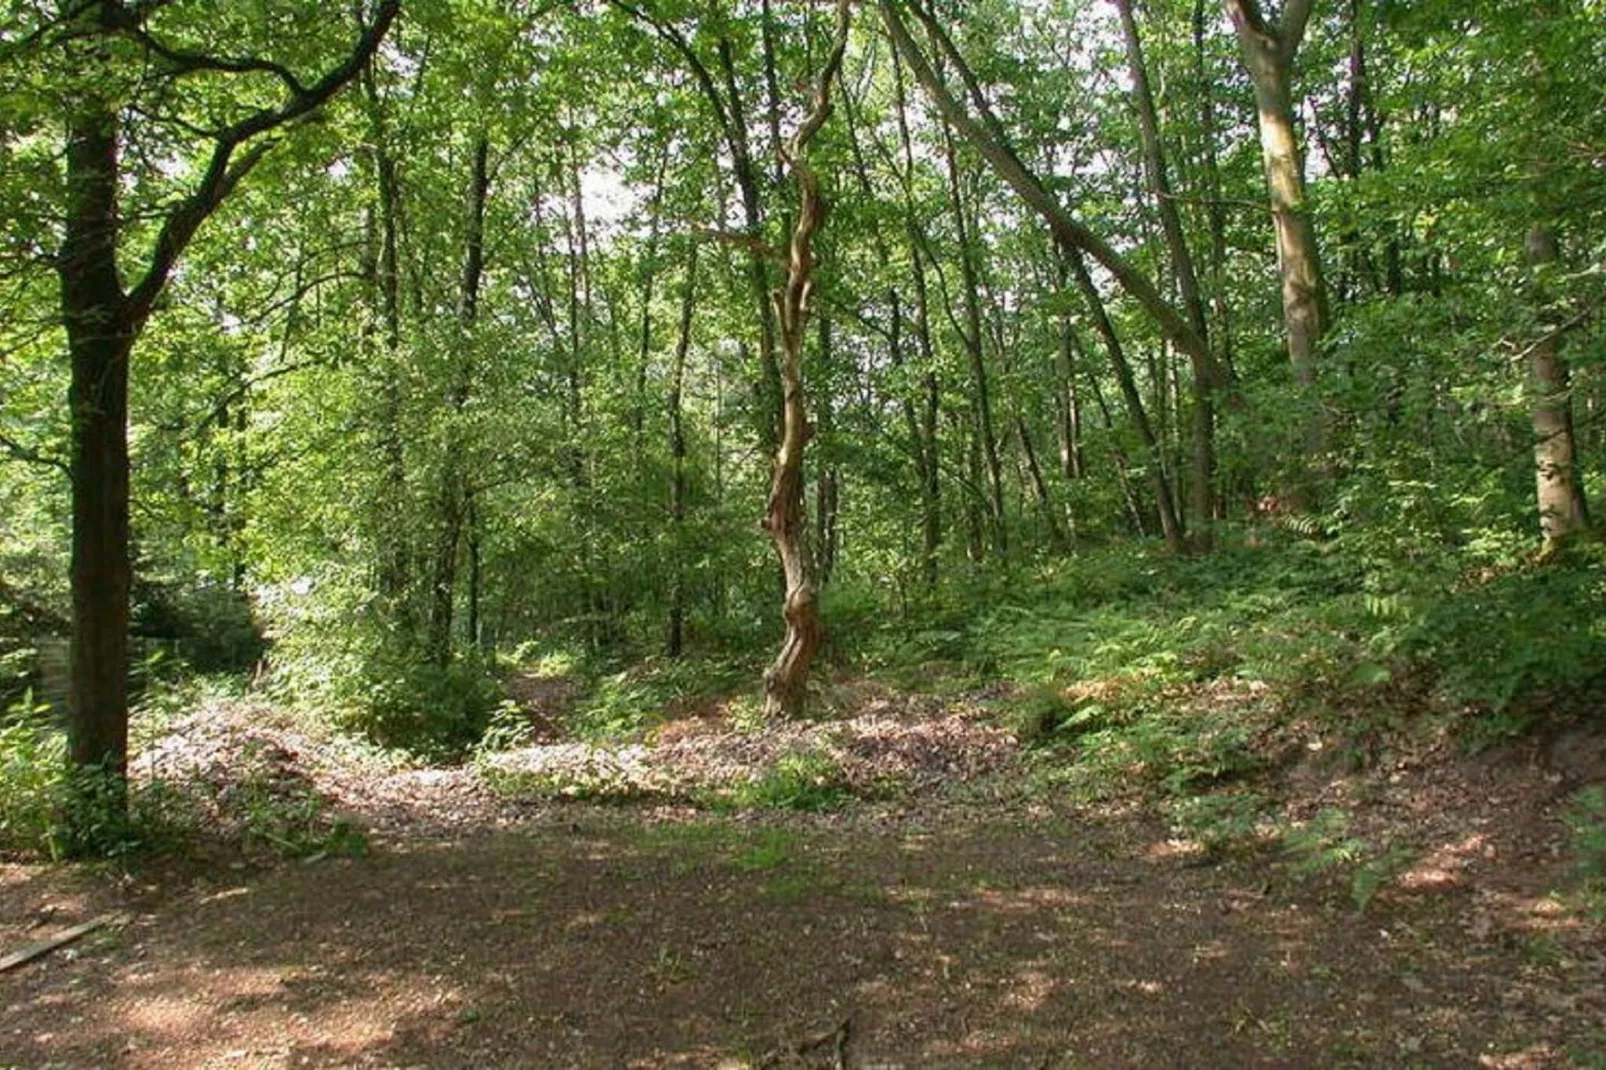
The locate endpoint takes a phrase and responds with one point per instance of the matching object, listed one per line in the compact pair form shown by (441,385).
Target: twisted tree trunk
(785,517)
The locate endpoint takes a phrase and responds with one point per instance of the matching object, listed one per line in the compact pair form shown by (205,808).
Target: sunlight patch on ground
(1445,866)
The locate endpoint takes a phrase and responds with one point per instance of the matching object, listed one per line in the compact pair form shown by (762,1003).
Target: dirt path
(938,929)
(597,938)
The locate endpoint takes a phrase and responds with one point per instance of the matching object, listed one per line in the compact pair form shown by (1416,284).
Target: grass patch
(809,780)
(766,849)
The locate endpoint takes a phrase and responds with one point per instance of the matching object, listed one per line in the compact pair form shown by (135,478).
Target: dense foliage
(477,360)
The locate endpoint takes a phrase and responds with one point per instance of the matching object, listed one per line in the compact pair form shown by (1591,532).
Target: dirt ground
(925,932)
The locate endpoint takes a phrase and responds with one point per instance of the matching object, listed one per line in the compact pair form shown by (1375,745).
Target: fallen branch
(61,939)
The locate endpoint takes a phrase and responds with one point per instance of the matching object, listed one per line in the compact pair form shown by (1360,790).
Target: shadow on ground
(596,940)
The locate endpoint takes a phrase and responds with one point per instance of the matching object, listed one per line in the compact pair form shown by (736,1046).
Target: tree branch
(224,172)
(677,40)
(1068,231)
(180,62)
(1291,27)
(28,455)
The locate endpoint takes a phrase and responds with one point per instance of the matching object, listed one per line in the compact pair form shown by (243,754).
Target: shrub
(432,712)
(809,780)
(33,770)
(211,627)
(626,703)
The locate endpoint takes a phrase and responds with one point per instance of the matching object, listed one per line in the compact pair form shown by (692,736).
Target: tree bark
(100,339)
(1201,362)
(675,644)
(1563,511)
(785,516)
(1268,51)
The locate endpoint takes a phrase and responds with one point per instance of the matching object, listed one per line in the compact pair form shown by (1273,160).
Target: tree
(1563,511)
(1202,361)
(988,137)
(1268,49)
(104,319)
(785,516)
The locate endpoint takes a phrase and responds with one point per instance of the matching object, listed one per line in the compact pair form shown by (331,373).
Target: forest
(769,533)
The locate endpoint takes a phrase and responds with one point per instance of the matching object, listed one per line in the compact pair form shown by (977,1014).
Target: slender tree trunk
(1563,511)
(1164,502)
(972,338)
(1201,363)
(644,349)
(976,494)
(1120,461)
(384,262)
(1045,500)
(676,643)
(1073,462)
(453,498)
(931,410)
(1216,211)
(785,516)
(767,389)
(827,482)
(475,576)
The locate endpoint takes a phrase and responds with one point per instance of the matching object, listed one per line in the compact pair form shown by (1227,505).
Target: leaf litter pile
(666,903)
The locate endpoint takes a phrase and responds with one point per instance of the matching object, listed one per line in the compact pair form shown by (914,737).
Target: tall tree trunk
(638,412)
(975,492)
(1216,210)
(1045,500)
(382,270)
(675,645)
(1563,511)
(100,338)
(827,482)
(475,576)
(1201,362)
(1164,501)
(971,335)
(1073,462)
(785,516)
(1268,51)
(453,499)
(931,409)
(768,388)
(1120,461)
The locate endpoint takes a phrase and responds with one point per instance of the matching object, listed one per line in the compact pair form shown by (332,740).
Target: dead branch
(61,939)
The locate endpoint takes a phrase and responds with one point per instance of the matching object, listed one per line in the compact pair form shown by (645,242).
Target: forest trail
(930,932)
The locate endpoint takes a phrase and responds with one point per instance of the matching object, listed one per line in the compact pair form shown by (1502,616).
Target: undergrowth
(624,702)
(257,806)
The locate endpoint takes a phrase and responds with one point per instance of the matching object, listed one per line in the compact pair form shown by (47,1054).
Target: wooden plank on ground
(62,939)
